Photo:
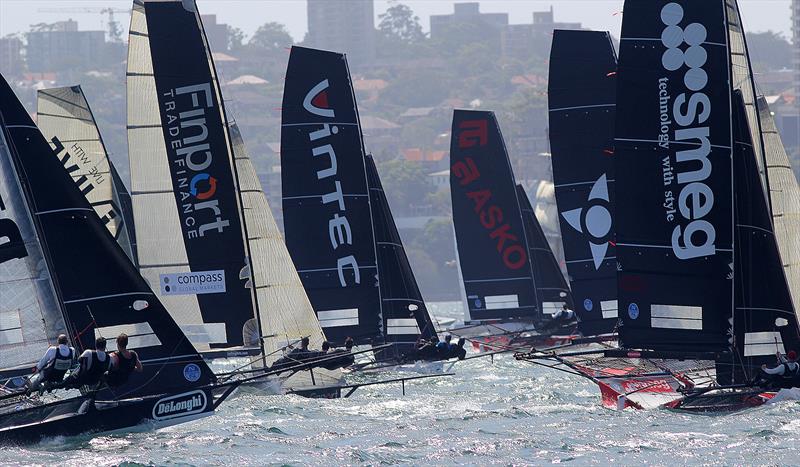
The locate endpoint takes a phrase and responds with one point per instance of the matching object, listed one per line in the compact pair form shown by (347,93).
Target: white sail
(285,313)
(30,318)
(785,196)
(66,121)
(160,247)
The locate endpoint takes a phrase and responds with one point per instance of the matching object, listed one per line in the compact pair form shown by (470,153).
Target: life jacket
(120,374)
(57,368)
(93,373)
(789,372)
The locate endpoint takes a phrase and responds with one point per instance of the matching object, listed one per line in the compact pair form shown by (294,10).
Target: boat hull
(722,402)
(81,415)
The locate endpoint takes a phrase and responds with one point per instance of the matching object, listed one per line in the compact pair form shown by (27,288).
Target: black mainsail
(326,208)
(190,233)
(582,103)
(339,228)
(66,120)
(674,209)
(491,234)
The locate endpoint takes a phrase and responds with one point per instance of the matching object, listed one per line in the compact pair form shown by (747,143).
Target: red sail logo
(491,217)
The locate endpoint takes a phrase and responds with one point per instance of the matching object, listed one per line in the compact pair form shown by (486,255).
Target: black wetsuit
(125,366)
(91,370)
(55,370)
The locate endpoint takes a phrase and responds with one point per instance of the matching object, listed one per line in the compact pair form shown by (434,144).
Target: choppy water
(499,413)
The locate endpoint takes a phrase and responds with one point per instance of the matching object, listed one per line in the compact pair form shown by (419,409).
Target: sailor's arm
(778,370)
(49,355)
(138,367)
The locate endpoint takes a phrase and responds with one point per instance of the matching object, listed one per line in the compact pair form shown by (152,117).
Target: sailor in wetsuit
(53,366)
(443,348)
(93,365)
(123,363)
(785,374)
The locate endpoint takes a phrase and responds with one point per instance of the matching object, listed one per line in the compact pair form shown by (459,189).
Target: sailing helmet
(792,355)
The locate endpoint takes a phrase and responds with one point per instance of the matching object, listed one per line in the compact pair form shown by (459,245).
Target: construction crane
(114,30)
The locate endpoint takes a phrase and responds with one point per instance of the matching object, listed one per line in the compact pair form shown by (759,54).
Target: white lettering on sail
(691,109)
(339,231)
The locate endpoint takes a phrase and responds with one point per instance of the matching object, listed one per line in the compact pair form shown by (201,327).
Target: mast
(582,105)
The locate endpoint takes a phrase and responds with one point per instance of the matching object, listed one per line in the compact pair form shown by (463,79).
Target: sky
(248,15)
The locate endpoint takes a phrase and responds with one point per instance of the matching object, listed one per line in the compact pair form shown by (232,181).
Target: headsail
(582,103)
(189,231)
(674,209)
(326,208)
(551,287)
(405,316)
(66,121)
(99,289)
(286,315)
(764,321)
(785,196)
(492,248)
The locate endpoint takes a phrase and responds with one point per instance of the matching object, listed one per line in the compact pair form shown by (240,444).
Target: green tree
(235,38)
(270,37)
(399,22)
(769,51)
(406,183)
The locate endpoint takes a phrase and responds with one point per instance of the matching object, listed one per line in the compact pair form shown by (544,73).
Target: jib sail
(492,248)
(405,315)
(326,207)
(285,313)
(674,206)
(551,287)
(582,104)
(785,196)
(66,120)
(764,318)
(99,290)
(190,237)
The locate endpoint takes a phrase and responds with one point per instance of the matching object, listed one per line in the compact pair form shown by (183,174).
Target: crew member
(443,348)
(564,314)
(93,365)
(53,365)
(784,374)
(123,363)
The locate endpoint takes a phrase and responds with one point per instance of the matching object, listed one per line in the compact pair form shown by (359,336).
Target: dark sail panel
(123,199)
(405,316)
(492,248)
(764,318)
(674,176)
(326,210)
(551,287)
(199,164)
(100,291)
(582,104)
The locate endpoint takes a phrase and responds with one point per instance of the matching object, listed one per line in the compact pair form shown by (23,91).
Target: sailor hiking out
(564,314)
(93,365)
(786,374)
(53,365)
(123,363)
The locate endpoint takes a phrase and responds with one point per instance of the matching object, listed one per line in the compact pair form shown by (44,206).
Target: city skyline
(16,16)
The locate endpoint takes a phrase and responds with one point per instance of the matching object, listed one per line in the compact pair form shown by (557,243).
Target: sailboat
(206,239)
(67,122)
(512,280)
(72,274)
(701,274)
(339,229)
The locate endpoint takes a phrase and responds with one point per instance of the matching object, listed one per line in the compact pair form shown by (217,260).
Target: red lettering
(474,132)
(519,252)
(479,198)
(491,217)
(501,234)
(466,171)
